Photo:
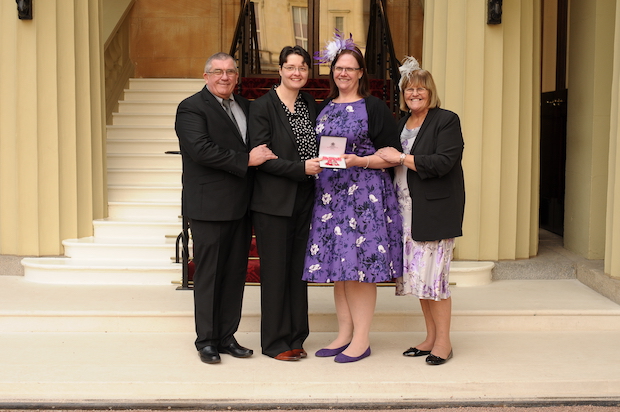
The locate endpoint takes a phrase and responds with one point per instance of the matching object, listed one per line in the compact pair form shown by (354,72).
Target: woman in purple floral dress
(356,229)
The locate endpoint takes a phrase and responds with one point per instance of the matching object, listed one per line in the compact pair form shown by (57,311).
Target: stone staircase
(135,243)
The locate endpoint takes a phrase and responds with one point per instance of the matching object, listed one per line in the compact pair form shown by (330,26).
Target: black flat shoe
(436,360)
(416,352)
(209,354)
(236,350)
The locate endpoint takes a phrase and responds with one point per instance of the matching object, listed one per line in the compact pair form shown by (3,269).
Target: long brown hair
(364,83)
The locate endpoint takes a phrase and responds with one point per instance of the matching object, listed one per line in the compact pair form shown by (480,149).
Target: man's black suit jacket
(277,179)
(217,183)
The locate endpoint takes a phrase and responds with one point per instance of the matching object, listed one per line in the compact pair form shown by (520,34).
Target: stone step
(119,249)
(147,106)
(166,84)
(124,193)
(132,132)
(130,229)
(141,146)
(156,305)
(144,119)
(137,177)
(172,95)
(148,161)
(69,271)
(141,211)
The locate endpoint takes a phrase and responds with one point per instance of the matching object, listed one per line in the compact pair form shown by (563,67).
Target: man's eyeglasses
(420,90)
(291,69)
(339,69)
(219,72)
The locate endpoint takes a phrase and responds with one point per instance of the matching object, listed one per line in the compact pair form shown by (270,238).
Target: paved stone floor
(548,345)
(496,408)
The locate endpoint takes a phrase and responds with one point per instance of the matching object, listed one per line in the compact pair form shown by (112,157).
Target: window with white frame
(300,26)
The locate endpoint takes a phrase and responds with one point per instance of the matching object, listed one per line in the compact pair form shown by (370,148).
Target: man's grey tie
(226,103)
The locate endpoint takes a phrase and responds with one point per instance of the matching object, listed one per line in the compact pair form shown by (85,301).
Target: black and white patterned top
(303,129)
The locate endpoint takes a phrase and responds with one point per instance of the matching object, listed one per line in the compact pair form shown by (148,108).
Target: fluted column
(590,66)
(612,238)
(490,76)
(52,162)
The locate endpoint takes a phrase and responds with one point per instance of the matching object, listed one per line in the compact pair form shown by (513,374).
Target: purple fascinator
(334,47)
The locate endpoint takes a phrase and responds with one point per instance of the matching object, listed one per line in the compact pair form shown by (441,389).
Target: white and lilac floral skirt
(426,265)
(426,269)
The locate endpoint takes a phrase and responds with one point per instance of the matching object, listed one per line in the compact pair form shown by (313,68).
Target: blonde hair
(419,78)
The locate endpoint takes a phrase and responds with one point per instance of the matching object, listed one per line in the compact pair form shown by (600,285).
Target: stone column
(490,76)
(587,140)
(612,237)
(52,165)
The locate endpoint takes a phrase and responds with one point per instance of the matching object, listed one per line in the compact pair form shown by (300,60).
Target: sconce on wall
(494,14)
(24,9)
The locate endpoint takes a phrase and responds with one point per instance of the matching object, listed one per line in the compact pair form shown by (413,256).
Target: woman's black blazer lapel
(430,116)
(279,110)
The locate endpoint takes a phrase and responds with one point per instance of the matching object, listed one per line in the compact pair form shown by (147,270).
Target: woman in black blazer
(283,119)
(431,193)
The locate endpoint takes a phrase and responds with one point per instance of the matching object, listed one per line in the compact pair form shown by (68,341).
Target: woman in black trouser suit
(282,204)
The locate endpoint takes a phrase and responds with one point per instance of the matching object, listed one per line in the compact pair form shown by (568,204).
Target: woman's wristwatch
(403,156)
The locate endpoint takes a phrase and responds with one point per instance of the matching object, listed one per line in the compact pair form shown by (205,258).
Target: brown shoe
(301,352)
(289,355)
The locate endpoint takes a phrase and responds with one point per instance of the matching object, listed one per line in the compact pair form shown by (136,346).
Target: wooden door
(554,105)
(553,160)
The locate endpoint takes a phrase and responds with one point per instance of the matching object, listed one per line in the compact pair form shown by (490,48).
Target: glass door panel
(282,23)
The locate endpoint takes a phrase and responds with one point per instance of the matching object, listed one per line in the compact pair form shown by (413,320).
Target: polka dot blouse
(303,129)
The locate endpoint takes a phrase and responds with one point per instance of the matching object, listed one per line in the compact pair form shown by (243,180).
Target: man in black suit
(217,183)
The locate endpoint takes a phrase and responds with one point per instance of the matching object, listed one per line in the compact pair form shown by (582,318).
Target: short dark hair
(364,82)
(288,50)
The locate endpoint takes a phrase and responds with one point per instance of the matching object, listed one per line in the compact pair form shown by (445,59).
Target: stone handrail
(118,65)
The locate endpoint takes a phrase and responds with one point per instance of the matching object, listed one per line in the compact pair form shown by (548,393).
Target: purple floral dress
(356,227)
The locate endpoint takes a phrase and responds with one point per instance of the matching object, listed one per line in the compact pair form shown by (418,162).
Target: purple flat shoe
(342,358)
(326,353)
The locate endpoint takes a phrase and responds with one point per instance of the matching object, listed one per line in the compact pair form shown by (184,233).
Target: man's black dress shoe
(209,354)
(436,360)
(236,350)
(416,352)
